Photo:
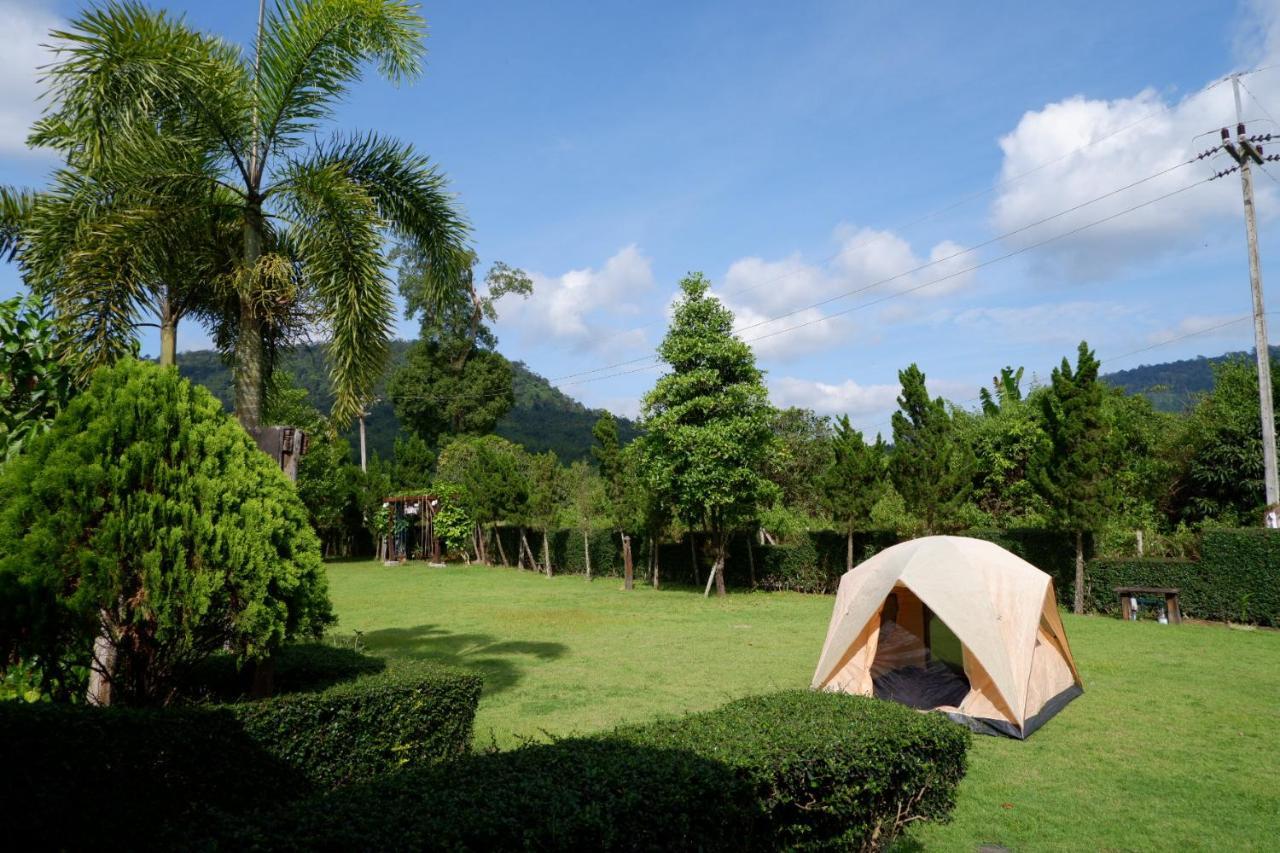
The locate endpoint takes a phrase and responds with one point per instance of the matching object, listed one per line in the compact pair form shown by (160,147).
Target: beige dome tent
(956,625)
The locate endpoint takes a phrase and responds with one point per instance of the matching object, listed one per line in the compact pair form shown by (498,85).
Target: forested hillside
(1173,386)
(543,418)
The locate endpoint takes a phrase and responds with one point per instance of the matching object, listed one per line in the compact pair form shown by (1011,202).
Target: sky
(965,187)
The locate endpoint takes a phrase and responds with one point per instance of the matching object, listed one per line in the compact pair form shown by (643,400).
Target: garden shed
(956,625)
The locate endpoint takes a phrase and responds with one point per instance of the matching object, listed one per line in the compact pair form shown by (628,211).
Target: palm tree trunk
(250,355)
(168,333)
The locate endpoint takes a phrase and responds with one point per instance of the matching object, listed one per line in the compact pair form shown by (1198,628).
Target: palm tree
(168,132)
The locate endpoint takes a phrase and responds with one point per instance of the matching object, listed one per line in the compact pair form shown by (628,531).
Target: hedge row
(796,770)
(80,777)
(1236,579)
(814,564)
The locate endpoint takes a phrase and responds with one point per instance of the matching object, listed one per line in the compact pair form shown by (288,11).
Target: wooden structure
(1129,593)
(411,529)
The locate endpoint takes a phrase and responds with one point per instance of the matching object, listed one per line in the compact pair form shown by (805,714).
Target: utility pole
(363,465)
(1245,153)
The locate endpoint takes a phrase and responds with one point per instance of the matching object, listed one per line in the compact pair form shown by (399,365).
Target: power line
(916,269)
(654,363)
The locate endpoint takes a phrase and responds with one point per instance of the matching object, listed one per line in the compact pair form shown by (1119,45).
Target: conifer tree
(1071,471)
(932,469)
(854,481)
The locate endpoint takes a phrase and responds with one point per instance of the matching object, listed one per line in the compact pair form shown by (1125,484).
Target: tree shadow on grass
(499,662)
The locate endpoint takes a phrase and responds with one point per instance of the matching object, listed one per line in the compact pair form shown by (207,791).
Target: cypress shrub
(146,515)
(794,770)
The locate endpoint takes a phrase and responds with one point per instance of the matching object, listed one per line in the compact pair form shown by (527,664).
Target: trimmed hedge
(814,564)
(798,770)
(81,777)
(1237,578)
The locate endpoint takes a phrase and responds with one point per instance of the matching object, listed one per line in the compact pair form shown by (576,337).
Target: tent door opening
(919,660)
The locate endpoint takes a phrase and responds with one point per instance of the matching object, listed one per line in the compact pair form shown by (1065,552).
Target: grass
(1173,744)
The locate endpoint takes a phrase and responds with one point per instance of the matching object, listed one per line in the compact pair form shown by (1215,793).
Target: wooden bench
(1170,601)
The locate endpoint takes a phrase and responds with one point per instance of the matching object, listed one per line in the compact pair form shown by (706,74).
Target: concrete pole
(1263,352)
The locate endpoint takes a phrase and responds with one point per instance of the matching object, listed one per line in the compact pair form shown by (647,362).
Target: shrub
(406,716)
(147,516)
(798,770)
(78,777)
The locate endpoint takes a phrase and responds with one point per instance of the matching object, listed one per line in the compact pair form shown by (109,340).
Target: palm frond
(122,69)
(15,210)
(337,233)
(412,198)
(313,50)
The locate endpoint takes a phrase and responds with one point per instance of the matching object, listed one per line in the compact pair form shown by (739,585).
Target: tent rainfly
(956,625)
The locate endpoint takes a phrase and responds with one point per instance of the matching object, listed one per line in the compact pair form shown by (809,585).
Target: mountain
(1174,386)
(543,417)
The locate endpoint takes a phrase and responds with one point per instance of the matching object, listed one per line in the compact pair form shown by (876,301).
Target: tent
(956,625)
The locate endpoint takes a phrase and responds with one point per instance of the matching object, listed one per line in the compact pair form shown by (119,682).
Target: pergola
(411,528)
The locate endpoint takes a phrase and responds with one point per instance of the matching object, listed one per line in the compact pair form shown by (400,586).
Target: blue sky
(794,153)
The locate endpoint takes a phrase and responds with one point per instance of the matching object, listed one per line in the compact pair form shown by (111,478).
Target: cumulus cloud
(581,308)
(1130,138)
(868,266)
(843,398)
(26,27)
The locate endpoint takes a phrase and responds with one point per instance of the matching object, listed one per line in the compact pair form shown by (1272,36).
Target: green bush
(78,777)
(146,514)
(796,770)
(1237,578)
(406,716)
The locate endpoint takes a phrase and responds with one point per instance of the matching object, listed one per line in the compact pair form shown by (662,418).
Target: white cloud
(1137,137)
(848,397)
(579,309)
(868,266)
(26,27)
(1045,323)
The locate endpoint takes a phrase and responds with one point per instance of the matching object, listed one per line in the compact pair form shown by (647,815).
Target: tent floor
(922,688)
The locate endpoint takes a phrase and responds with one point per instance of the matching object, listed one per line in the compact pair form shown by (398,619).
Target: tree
(805,439)
(607,451)
(412,463)
(146,518)
(708,422)
(189,122)
(1007,388)
(547,495)
(931,469)
(1218,452)
(1072,472)
(587,499)
(436,397)
(453,381)
(491,474)
(854,481)
(38,373)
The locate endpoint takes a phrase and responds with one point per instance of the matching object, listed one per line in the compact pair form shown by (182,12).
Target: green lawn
(1173,745)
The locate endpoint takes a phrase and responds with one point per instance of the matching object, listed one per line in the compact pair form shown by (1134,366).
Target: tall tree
(806,441)
(1072,471)
(708,422)
(931,469)
(453,381)
(190,120)
(607,451)
(547,496)
(855,479)
(587,499)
